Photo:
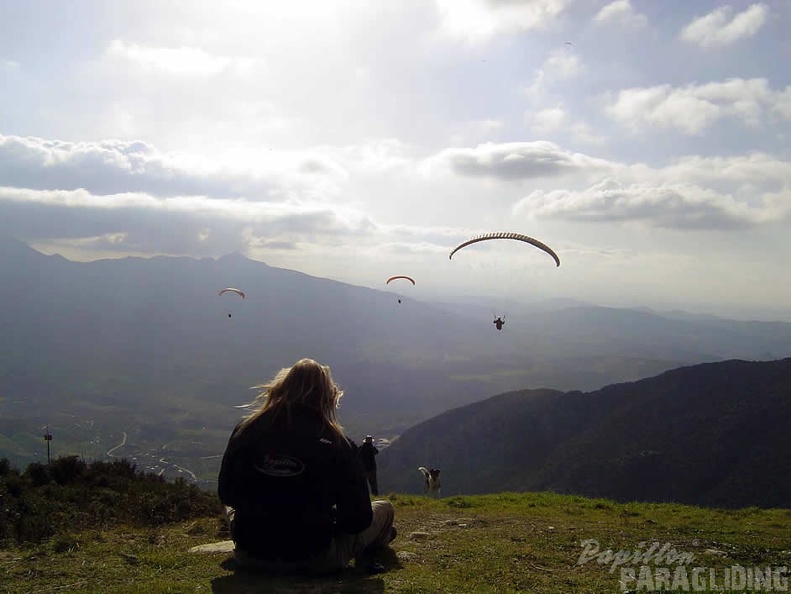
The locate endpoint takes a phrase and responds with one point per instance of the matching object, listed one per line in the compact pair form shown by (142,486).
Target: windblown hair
(306,382)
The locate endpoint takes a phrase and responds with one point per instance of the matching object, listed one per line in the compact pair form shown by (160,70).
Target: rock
(224,546)
(418,535)
(716,552)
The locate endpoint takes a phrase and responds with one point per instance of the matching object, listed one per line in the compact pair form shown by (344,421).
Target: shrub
(71,495)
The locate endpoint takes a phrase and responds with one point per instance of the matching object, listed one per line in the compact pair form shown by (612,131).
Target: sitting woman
(293,483)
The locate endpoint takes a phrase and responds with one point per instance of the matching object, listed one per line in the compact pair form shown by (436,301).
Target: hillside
(503,543)
(711,434)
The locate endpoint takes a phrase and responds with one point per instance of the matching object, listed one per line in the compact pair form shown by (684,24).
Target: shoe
(393,534)
(374,567)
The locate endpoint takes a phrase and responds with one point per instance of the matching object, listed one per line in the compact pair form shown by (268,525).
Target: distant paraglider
(392,278)
(231,290)
(400,276)
(506,235)
(499,321)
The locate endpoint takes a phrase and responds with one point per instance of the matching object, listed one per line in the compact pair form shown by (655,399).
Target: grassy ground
(496,543)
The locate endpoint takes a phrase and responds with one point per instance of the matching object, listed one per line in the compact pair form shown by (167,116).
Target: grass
(501,544)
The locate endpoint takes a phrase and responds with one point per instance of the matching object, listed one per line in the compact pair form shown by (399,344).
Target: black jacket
(368,454)
(293,486)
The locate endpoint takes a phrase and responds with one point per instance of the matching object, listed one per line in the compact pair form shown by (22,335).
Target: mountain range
(143,358)
(713,434)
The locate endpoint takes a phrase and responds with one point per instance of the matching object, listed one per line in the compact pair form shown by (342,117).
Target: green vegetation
(69,496)
(119,530)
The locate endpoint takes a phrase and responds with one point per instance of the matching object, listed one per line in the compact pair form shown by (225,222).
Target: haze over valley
(139,358)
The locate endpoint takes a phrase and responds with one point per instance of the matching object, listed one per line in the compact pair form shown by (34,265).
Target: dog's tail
(424,470)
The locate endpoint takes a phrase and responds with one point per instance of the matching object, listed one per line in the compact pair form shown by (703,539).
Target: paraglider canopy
(402,277)
(409,278)
(507,235)
(232,290)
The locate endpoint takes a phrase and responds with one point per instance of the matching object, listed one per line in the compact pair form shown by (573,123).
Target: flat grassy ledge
(525,542)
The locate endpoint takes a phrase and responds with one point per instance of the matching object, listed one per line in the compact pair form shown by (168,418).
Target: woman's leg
(346,547)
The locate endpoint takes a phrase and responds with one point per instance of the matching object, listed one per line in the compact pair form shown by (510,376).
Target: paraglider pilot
(368,452)
(499,323)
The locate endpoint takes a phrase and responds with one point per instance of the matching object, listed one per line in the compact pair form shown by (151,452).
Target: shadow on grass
(354,580)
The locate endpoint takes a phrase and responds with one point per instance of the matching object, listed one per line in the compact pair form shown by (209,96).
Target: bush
(71,495)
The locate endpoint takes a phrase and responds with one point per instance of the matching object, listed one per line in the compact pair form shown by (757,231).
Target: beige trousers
(342,549)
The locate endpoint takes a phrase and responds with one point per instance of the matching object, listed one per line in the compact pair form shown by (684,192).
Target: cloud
(583,132)
(749,173)
(718,28)
(113,167)
(693,108)
(373,157)
(108,167)
(478,21)
(783,104)
(547,120)
(516,161)
(670,205)
(197,225)
(620,12)
(555,120)
(561,65)
(176,61)
(473,131)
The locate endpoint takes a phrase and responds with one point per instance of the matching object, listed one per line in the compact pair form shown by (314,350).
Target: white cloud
(562,65)
(546,120)
(584,133)
(748,173)
(516,161)
(670,205)
(783,104)
(477,21)
(474,131)
(620,12)
(718,28)
(182,61)
(693,108)
(559,66)
(374,157)
(113,167)
(556,120)
(143,223)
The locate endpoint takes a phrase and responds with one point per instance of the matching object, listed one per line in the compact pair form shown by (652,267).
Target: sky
(646,142)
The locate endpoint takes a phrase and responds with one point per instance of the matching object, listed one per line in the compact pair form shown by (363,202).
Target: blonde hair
(306,382)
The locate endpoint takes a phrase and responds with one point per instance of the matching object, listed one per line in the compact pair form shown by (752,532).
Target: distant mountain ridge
(142,351)
(713,434)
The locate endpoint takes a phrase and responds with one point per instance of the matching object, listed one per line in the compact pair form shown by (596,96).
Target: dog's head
(434,473)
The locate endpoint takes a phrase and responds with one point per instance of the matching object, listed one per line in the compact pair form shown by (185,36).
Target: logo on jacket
(279,465)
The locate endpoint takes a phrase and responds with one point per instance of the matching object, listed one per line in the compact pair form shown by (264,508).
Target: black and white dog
(432,484)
